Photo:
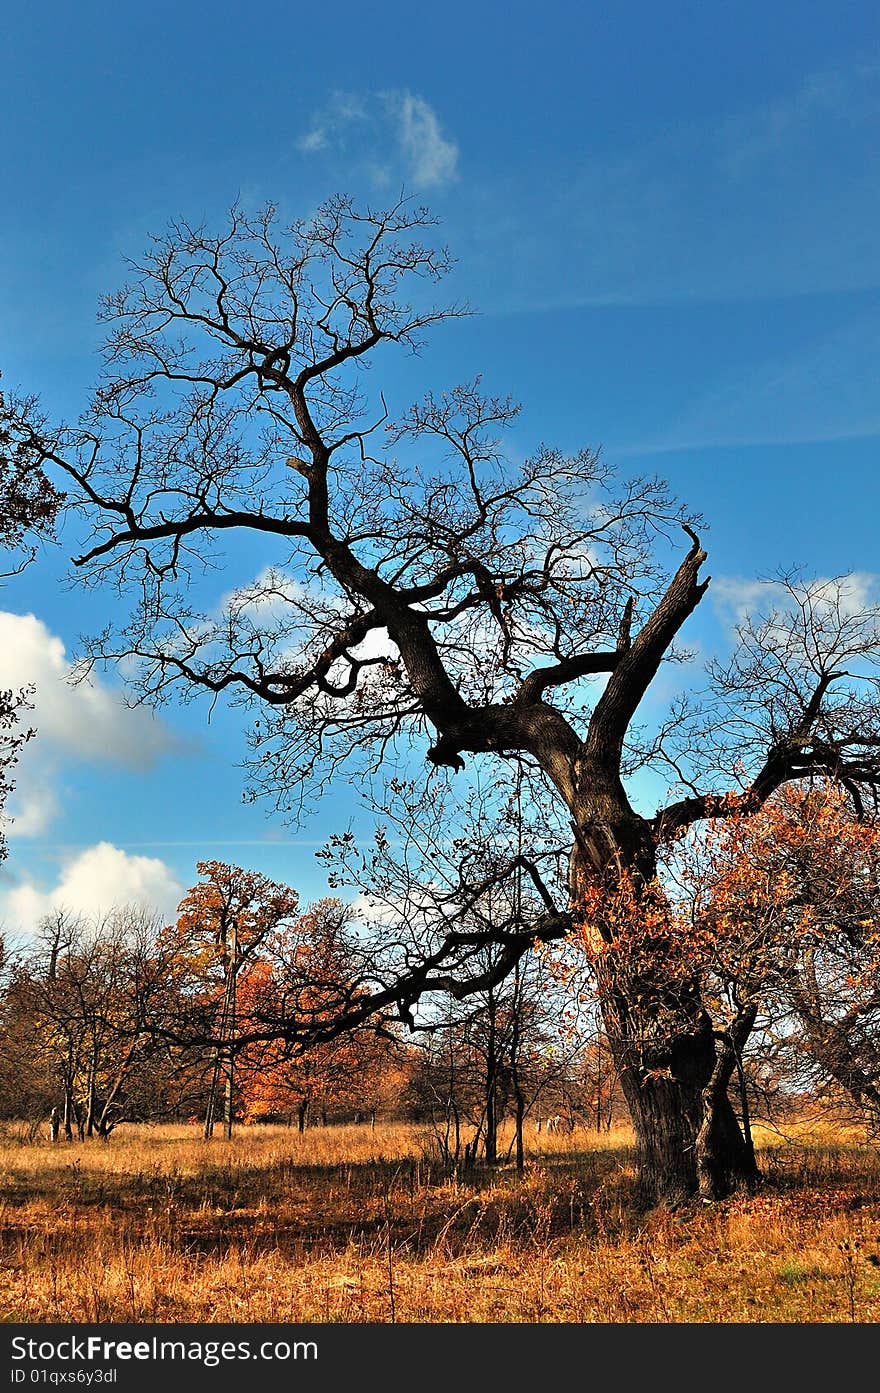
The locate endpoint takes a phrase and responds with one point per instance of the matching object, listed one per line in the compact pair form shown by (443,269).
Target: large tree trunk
(673,1070)
(688,1139)
(725,1157)
(662,1076)
(725,1153)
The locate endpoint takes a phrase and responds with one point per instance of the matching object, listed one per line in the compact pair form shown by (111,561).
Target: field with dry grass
(347,1224)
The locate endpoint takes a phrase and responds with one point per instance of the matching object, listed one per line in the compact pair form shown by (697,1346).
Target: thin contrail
(226,841)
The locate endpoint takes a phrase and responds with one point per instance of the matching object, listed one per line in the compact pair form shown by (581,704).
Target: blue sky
(665,216)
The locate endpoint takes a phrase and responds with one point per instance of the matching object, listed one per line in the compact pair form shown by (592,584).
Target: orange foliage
(231,913)
(306,976)
(744,895)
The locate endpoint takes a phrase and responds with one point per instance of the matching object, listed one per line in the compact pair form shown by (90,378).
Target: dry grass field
(346,1224)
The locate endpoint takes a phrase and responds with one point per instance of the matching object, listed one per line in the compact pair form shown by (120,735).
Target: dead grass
(348,1224)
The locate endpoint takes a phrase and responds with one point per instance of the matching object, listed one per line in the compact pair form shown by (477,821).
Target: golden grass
(348,1224)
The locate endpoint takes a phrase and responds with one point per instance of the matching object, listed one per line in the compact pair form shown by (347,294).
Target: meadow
(350,1224)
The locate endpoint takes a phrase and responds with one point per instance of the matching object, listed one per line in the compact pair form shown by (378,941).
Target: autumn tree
(782,907)
(306,974)
(774,914)
(81,1008)
(420,589)
(353,1075)
(222,924)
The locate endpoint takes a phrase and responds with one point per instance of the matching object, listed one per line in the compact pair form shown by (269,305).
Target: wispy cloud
(738,599)
(775,129)
(431,156)
(331,128)
(392,134)
(822,391)
(781,200)
(88,722)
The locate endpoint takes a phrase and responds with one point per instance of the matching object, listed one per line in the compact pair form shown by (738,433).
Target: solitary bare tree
(419,587)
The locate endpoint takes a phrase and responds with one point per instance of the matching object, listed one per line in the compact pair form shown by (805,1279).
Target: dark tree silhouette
(29,503)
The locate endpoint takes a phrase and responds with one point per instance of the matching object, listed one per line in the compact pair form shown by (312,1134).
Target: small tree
(83,1004)
(223,923)
(308,974)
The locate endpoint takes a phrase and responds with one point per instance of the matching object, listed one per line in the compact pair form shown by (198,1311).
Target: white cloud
(272,597)
(88,719)
(377,913)
(738,599)
(855,592)
(84,722)
(329,127)
(33,808)
(421,909)
(390,134)
(92,883)
(432,158)
(286,610)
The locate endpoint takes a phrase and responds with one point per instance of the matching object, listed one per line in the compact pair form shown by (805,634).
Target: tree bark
(662,1082)
(725,1153)
(673,1071)
(688,1138)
